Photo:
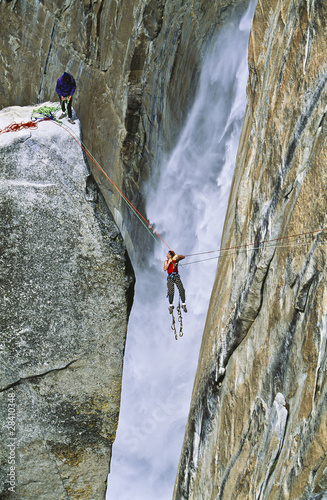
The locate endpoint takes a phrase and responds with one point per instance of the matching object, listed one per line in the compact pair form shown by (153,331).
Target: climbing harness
(180,320)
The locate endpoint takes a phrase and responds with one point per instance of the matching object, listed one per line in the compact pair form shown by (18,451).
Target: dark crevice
(53,32)
(280,365)
(91,189)
(64,8)
(39,375)
(153,18)
(322,120)
(303,293)
(130,290)
(240,323)
(303,121)
(226,476)
(98,20)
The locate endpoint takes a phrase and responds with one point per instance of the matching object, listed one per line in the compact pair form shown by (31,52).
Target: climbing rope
(14,127)
(225,252)
(47,113)
(141,218)
(180,320)
(173,325)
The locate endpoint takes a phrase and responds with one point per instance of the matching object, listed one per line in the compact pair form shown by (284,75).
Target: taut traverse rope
(254,246)
(47,113)
(142,219)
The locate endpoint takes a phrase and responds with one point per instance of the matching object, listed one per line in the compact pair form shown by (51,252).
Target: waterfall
(188,205)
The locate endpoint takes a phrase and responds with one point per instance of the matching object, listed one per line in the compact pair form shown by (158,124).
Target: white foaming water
(188,206)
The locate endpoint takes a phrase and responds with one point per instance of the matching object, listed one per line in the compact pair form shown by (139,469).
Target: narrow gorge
(209,117)
(257,424)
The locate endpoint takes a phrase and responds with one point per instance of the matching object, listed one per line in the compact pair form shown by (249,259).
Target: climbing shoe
(71,121)
(171,308)
(184,308)
(62,116)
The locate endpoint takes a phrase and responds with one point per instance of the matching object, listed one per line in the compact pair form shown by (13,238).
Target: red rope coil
(14,127)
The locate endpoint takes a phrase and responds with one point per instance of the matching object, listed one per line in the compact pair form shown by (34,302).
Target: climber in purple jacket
(65,89)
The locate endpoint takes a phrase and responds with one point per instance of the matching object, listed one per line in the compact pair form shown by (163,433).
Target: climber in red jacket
(173,278)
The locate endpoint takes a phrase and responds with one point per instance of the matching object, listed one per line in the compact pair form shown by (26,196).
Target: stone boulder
(66,292)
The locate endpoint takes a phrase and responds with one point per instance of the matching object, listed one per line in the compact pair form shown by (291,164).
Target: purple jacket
(64,88)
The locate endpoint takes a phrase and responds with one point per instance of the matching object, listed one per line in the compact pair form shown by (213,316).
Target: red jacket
(173,267)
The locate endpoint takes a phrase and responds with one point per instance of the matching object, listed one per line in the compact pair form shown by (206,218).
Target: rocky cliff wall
(136,64)
(257,424)
(66,292)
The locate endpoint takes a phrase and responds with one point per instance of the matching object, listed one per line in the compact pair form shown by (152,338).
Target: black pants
(174,279)
(69,106)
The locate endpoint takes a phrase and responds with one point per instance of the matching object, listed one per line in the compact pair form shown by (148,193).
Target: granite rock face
(136,64)
(257,427)
(66,292)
